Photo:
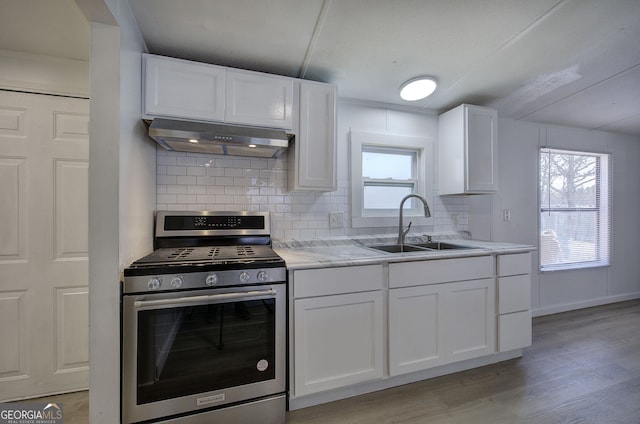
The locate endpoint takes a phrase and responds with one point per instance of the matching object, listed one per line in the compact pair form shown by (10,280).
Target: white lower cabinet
(514,301)
(337,335)
(416,333)
(444,321)
(514,330)
(438,312)
(470,319)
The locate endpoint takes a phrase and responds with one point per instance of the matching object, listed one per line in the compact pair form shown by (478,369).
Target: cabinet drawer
(514,331)
(519,263)
(329,281)
(514,293)
(407,274)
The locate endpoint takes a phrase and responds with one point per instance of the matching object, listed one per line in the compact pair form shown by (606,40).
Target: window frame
(422,146)
(603,197)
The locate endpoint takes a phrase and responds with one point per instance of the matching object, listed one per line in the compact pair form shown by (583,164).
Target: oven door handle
(213,298)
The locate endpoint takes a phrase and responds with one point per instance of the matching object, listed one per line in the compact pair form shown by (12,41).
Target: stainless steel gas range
(204,323)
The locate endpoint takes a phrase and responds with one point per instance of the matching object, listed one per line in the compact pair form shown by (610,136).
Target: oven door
(191,350)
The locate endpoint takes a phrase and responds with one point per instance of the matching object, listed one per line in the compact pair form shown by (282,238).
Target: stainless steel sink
(417,247)
(437,245)
(399,248)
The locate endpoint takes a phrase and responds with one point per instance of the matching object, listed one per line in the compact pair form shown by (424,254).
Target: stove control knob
(176,282)
(244,277)
(263,276)
(153,284)
(212,280)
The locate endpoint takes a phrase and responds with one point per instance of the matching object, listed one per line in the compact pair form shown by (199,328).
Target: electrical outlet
(336,220)
(506,215)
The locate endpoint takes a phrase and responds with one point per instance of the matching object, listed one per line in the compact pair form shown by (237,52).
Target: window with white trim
(385,168)
(574,209)
(388,174)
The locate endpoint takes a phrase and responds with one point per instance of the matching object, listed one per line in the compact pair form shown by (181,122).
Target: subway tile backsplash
(191,181)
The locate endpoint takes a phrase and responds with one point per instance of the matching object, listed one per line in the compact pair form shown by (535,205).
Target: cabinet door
(416,330)
(183,89)
(259,100)
(337,341)
(470,319)
(481,149)
(316,141)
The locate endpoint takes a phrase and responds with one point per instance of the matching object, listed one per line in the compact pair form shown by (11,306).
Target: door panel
(12,209)
(44,145)
(72,339)
(71,210)
(13,334)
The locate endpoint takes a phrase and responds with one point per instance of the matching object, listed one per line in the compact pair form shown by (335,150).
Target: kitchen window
(574,209)
(385,168)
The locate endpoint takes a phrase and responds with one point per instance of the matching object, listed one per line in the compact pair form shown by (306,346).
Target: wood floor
(583,367)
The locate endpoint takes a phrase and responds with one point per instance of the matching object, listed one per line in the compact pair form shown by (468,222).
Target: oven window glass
(196,349)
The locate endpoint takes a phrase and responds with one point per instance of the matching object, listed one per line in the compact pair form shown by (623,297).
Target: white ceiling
(568,62)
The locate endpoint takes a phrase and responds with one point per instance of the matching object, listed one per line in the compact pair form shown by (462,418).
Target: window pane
(385,197)
(396,165)
(568,180)
(574,209)
(569,237)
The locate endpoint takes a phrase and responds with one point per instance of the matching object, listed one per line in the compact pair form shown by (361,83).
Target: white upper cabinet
(467,150)
(313,154)
(181,89)
(259,99)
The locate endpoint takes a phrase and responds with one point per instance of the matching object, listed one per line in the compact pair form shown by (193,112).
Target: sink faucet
(427,213)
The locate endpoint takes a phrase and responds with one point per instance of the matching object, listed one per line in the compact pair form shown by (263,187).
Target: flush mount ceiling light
(418,88)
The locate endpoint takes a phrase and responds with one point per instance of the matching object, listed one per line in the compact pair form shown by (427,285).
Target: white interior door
(44,324)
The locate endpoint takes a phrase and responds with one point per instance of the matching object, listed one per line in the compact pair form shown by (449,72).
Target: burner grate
(243,251)
(189,253)
(180,253)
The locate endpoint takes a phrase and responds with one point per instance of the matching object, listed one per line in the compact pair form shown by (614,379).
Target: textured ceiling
(568,62)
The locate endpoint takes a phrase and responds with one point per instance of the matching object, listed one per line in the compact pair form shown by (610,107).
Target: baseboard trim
(555,309)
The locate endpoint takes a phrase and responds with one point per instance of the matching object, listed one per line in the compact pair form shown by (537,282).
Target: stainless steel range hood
(220,139)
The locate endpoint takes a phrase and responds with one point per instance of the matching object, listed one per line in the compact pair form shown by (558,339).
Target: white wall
(121,189)
(43,74)
(518,144)
(213,182)
(103,224)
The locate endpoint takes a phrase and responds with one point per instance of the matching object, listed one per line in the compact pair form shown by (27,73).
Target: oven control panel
(211,223)
(215,222)
(196,280)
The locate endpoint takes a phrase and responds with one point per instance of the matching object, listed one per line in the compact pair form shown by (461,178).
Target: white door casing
(44,329)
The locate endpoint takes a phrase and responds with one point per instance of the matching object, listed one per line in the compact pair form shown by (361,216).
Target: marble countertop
(345,251)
